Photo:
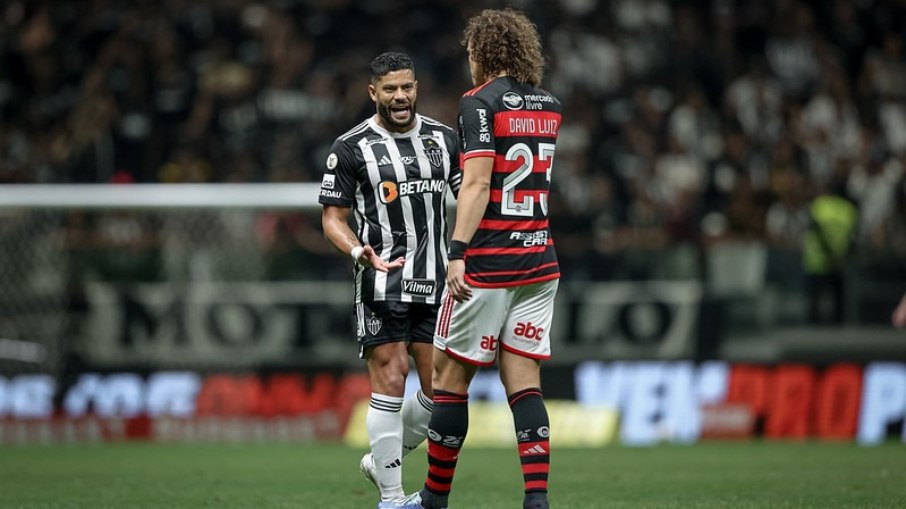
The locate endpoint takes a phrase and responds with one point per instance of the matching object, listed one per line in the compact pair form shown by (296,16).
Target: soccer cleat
(415,501)
(535,500)
(397,505)
(367,468)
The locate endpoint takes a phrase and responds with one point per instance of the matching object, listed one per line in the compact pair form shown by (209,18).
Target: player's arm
(473,197)
(337,189)
(477,133)
(335,222)
(470,207)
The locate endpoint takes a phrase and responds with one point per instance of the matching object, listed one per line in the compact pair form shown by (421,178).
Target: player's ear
(372,92)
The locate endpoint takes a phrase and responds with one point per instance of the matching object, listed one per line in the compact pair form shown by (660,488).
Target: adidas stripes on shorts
(515,318)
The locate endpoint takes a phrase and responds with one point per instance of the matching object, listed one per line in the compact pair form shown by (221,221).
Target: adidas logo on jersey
(535,449)
(385,161)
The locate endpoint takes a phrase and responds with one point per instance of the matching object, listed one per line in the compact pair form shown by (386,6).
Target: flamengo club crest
(374,324)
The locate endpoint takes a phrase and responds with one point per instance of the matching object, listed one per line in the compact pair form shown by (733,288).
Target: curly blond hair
(505,40)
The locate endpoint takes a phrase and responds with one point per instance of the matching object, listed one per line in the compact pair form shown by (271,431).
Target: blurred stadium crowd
(686,123)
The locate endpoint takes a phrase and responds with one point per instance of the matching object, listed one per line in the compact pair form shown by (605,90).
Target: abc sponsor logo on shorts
(528,331)
(489,343)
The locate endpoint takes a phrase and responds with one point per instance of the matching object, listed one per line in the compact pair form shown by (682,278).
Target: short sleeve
(455,178)
(476,128)
(339,182)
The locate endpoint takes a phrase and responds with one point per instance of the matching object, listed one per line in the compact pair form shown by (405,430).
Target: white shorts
(516,318)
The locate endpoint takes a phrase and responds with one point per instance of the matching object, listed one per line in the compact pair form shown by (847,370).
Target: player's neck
(394,129)
(492,77)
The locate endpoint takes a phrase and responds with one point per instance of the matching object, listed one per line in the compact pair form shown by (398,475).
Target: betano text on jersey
(397,183)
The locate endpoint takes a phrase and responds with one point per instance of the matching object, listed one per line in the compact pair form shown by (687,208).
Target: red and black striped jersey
(517,125)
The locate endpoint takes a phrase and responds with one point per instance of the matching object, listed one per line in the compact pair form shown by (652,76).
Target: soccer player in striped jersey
(503,273)
(393,170)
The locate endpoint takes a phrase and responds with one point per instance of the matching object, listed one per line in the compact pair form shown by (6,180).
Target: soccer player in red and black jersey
(503,271)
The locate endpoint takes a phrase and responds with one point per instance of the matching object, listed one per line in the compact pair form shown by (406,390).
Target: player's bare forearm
(470,207)
(334,221)
(473,197)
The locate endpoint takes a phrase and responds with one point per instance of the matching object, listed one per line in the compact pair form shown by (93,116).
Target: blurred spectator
(828,243)
(790,48)
(787,219)
(872,183)
(755,101)
(683,120)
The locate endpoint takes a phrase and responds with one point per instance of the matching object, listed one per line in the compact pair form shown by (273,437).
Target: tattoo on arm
(352,240)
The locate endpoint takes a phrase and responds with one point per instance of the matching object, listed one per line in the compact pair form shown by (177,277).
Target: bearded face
(394,96)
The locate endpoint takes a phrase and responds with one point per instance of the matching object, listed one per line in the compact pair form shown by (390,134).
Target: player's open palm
(369,258)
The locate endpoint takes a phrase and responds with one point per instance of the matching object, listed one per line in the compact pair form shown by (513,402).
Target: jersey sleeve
(476,128)
(454,181)
(338,184)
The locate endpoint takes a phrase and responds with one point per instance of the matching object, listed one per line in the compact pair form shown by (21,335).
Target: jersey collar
(416,128)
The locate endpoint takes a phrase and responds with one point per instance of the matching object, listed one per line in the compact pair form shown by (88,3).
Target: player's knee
(388,365)
(394,382)
(452,377)
(392,376)
(515,380)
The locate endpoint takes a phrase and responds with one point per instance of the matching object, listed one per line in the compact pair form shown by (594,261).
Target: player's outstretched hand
(456,282)
(369,258)
(899,314)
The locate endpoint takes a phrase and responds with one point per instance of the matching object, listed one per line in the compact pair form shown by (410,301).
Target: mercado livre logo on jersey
(390,191)
(512,101)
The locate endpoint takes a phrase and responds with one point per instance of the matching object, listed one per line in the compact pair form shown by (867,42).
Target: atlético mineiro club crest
(374,324)
(435,156)
(434,153)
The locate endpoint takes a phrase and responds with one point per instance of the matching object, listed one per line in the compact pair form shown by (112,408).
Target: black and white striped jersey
(397,185)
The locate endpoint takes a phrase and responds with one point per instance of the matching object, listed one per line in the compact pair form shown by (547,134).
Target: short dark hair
(389,61)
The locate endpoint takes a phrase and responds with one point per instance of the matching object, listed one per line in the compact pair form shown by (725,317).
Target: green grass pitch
(301,476)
